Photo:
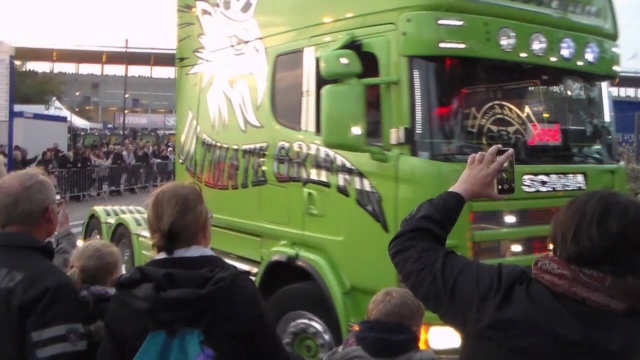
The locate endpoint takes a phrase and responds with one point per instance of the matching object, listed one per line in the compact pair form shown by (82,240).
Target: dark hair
(599,231)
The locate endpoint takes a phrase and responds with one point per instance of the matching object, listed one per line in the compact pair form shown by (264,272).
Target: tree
(34,87)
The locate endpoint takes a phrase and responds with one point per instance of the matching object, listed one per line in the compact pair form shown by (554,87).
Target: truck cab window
(287,89)
(548,115)
(374,123)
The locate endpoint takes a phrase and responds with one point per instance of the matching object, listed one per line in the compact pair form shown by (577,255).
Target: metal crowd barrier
(103,181)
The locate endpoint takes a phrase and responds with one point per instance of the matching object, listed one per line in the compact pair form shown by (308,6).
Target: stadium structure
(94,78)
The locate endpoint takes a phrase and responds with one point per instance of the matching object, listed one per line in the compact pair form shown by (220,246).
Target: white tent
(54,107)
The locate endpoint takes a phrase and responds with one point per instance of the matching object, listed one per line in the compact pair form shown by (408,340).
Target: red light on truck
(545,134)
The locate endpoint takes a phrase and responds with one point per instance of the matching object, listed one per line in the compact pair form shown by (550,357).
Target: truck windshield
(547,115)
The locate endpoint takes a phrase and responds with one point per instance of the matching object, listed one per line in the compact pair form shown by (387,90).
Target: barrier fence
(102,181)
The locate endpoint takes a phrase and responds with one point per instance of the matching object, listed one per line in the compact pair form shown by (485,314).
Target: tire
(93,230)
(122,239)
(305,320)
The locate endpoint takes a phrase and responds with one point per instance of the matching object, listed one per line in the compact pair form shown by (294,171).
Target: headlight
(538,44)
(567,48)
(592,53)
(443,338)
(507,39)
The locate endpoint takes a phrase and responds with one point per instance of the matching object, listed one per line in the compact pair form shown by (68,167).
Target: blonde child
(94,268)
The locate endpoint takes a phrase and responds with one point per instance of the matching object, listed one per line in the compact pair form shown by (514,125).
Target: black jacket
(64,163)
(94,301)
(39,316)
(117,159)
(46,164)
(500,310)
(203,292)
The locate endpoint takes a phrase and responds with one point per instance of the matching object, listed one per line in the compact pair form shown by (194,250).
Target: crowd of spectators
(581,301)
(81,172)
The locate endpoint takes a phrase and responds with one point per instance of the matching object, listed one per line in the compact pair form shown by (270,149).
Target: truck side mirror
(340,65)
(343,116)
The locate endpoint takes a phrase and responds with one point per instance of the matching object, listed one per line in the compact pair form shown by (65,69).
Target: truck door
(348,196)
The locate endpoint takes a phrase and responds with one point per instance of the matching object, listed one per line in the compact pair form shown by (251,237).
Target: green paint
(265,182)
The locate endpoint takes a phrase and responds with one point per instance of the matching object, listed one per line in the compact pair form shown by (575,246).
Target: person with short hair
(188,286)
(94,268)
(580,302)
(391,330)
(39,304)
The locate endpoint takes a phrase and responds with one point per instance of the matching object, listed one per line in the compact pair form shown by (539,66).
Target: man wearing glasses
(39,304)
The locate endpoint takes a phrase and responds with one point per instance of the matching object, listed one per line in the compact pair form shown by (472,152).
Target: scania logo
(554,182)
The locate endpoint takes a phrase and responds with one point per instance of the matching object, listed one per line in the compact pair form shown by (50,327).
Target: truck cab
(314,135)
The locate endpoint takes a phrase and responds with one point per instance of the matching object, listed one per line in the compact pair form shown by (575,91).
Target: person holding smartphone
(581,302)
(38,302)
(64,240)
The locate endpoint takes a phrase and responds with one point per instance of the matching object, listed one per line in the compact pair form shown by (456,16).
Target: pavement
(79,210)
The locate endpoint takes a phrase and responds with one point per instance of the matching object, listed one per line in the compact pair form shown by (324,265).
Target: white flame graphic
(232,50)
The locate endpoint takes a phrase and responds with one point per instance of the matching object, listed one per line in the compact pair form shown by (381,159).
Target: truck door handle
(311,200)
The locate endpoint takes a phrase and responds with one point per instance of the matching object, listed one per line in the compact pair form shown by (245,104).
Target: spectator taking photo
(38,302)
(581,302)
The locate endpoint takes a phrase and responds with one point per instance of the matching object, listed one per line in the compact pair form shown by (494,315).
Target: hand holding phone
(485,171)
(506,180)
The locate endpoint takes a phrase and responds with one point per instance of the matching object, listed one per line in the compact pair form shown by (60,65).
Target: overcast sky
(147,23)
(152,23)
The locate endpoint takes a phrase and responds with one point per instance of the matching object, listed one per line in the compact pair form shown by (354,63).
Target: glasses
(58,204)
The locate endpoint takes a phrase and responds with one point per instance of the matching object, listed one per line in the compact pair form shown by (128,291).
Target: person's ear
(51,214)
(50,218)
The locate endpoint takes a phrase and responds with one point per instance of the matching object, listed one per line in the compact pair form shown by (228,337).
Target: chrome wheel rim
(305,334)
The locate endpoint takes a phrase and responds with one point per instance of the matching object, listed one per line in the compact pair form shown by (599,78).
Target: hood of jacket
(382,339)
(169,297)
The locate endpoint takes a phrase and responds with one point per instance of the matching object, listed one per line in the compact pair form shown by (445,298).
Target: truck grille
(509,219)
(500,249)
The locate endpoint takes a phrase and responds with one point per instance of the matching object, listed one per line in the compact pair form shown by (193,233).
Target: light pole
(124,96)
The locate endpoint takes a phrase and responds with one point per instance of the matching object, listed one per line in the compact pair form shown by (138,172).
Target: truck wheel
(122,239)
(306,322)
(93,230)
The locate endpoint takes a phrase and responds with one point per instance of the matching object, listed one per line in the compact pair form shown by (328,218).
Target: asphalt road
(78,210)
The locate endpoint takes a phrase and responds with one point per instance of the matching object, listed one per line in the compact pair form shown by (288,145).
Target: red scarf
(601,291)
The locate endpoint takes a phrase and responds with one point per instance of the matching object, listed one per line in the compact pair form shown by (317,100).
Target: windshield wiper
(574,155)
(519,160)
(450,155)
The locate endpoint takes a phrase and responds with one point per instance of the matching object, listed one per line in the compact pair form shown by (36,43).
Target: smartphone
(506,179)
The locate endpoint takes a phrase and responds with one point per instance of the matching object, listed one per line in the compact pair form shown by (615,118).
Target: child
(391,330)
(94,268)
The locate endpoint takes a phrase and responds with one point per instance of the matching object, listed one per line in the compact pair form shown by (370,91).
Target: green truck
(314,127)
